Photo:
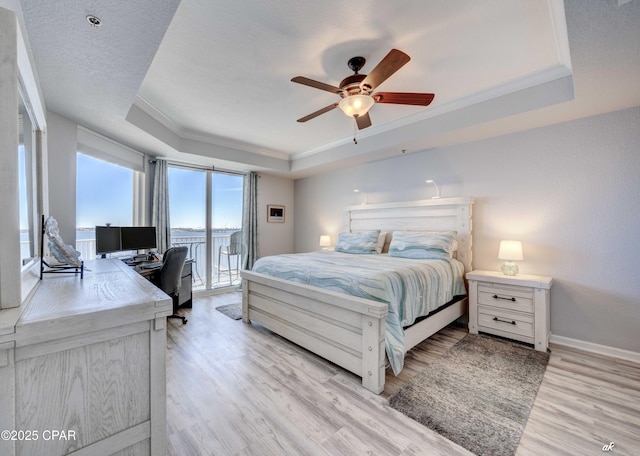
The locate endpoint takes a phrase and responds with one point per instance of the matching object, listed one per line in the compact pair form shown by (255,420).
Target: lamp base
(509,268)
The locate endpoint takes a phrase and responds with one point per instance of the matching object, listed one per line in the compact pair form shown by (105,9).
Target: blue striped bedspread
(412,288)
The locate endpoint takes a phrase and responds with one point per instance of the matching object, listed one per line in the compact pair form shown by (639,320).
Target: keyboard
(150,265)
(132,262)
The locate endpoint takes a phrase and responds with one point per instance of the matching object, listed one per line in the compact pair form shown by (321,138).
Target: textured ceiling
(85,69)
(209,82)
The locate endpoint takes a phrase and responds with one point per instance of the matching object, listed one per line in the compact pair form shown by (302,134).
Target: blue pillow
(438,245)
(364,242)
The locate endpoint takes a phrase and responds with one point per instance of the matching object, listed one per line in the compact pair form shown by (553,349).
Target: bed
(350,330)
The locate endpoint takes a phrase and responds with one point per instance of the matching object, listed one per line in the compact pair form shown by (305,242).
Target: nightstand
(516,307)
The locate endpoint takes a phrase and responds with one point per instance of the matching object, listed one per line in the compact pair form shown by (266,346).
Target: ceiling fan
(356,90)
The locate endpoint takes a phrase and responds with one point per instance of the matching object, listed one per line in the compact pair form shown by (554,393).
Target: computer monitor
(107,239)
(138,237)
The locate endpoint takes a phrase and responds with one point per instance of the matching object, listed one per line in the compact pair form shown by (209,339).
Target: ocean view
(85,239)
(89,233)
(194,239)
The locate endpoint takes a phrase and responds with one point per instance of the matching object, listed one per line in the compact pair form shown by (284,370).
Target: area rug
(479,395)
(231,310)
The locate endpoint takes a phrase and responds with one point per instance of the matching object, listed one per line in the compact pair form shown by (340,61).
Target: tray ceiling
(209,82)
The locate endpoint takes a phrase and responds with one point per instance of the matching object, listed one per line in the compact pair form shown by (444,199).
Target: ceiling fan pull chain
(355,131)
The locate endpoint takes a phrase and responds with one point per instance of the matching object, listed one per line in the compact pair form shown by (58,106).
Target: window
(104,195)
(189,204)
(226,219)
(187,216)
(26,188)
(26,241)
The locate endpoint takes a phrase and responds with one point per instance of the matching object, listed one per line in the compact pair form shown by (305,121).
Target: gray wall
(570,192)
(275,238)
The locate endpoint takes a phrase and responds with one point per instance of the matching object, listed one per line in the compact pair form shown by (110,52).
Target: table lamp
(325,241)
(510,251)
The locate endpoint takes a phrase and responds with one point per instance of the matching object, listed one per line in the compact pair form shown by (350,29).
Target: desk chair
(233,249)
(193,255)
(169,277)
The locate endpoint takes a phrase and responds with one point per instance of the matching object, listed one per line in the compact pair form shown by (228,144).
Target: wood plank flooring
(237,389)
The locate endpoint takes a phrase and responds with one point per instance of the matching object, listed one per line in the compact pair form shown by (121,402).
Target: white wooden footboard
(343,329)
(346,330)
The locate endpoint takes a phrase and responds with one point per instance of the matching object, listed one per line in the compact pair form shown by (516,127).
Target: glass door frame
(209,244)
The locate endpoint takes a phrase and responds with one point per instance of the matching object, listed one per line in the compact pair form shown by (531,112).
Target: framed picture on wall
(275,213)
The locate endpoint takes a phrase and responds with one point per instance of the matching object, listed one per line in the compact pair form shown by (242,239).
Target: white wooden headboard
(440,214)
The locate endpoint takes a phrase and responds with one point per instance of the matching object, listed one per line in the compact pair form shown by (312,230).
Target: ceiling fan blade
(316,84)
(391,63)
(318,112)
(405,98)
(363,121)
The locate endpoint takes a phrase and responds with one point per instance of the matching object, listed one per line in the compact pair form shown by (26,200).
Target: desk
(86,357)
(185,294)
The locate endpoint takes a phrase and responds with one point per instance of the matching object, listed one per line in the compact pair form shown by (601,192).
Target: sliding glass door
(226,227)
(205,209)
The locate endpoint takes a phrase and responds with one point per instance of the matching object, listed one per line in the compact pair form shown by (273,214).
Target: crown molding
(185,133)
(549,74)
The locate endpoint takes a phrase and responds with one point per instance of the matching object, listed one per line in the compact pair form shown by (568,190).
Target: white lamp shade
(510,251)
(356,105)
(325,240)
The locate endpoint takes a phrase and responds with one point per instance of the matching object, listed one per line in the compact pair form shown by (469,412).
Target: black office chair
(169,277)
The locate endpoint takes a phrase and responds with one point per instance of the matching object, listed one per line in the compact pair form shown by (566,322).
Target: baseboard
(619,353)
(216,291)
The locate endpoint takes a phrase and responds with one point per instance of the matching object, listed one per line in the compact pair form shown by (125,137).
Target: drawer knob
(506,299)
(512,322)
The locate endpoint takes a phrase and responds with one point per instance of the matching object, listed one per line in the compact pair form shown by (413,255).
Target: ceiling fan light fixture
(356,105)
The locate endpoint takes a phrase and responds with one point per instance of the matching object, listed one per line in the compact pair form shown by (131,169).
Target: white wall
(275,238)
(10,220)
(62,146)
(570,192)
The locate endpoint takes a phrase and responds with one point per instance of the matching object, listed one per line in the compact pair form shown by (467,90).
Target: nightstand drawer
(506,297)
(491,318)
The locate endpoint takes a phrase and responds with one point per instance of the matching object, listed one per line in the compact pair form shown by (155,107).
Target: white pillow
(423,244)
(362,243)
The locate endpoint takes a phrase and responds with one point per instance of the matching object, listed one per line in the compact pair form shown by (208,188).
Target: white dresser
(82,366)
(516,307)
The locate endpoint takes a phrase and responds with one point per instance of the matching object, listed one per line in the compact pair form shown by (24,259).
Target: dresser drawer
(491,318)
(506,297)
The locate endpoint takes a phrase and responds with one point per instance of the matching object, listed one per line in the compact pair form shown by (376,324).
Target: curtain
(160,214)
(250,221)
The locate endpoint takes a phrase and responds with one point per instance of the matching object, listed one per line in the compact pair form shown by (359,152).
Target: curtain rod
(199,168)
(185,165)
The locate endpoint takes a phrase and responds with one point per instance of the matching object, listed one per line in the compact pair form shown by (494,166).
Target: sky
(104,195)
(22,189)
(187,196)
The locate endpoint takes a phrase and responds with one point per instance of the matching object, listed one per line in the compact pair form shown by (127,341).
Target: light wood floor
(237,389)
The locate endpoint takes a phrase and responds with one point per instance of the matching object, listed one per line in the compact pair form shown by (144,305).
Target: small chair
(233,249)
(169,277)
